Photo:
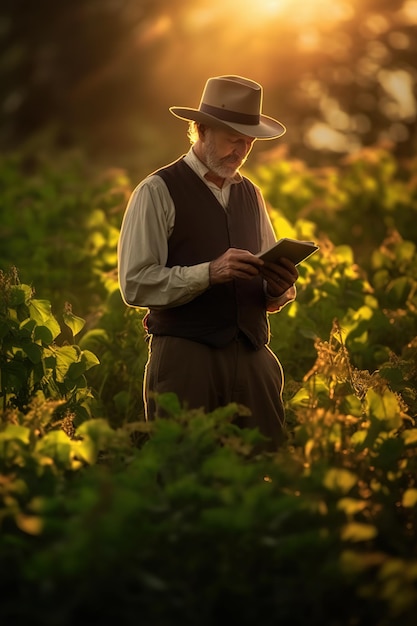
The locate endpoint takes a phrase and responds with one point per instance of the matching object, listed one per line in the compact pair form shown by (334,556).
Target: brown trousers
(208,378)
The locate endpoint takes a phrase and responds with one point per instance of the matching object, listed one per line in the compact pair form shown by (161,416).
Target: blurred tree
(102,73)
(66,65)
(361,89)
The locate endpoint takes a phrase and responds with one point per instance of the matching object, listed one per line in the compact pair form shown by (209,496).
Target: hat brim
(268,128)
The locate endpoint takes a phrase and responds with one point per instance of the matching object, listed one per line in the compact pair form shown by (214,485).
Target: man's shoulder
(248,181)
(156,178)
(173,166)
(150,185)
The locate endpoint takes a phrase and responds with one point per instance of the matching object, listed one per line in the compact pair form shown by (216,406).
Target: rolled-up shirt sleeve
(144,279)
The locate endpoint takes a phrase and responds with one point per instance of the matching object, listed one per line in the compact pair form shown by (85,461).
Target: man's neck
(214,178)
(210,176)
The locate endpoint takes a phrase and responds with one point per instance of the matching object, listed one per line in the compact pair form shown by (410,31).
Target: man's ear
(201,130)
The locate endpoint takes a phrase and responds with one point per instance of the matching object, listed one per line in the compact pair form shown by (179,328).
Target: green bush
(60,223)
(107,518)
(31,360)
(119,341)
(191,526)
(358,203)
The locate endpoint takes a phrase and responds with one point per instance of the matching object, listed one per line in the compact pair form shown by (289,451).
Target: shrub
(30,359)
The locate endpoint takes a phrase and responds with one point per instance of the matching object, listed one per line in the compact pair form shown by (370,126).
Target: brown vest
(203,231)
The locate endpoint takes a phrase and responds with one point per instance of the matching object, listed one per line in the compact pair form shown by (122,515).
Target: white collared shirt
(144,279)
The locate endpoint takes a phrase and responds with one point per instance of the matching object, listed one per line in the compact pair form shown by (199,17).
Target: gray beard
(220,166)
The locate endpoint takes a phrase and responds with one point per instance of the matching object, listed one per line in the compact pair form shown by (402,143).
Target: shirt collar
(199,168)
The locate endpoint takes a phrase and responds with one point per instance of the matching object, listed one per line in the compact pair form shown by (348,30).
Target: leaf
(95,339)
(341,480)
(87,450)
(4,329)
(97,429)
(14,375)
(410,436)
(13,431)
(40,310)
(27,327)
(30,524)
(354,531)
(33,351)
(43,334)
(76,370)
(76,324)
(121,401)
(359,437)
(351,506)
(398,290)
(392,567)
(353,562)
(56,445)
(90,359)
(409,498)
(301,399)
(96,434)
(390,450)
(169,402)
(384,407)
(345,253)
(405,251)
(20,294)
(65,357)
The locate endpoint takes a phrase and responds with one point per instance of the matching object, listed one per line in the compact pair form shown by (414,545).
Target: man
(187,252)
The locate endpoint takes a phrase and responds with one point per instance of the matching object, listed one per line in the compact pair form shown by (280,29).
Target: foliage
(191,526)
(184,521)
(363,217)
(359,203)
(118,339)
(60,226)
(30,359)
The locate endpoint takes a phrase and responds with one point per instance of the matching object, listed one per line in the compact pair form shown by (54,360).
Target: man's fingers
(234,263)
(279,276)
(285,270)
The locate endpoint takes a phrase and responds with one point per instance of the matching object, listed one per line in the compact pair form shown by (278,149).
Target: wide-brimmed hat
(235,102)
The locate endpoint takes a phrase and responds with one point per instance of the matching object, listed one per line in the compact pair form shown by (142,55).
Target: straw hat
(235,102)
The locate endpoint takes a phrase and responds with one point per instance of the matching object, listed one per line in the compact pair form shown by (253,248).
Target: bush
(191,526)
(184,521)
(60,223)
(31,360)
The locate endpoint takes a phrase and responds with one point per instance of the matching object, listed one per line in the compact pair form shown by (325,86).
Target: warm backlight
(251,13)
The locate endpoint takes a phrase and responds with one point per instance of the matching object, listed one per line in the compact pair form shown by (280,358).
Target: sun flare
(247,13)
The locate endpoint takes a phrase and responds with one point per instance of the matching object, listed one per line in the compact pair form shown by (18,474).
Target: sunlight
(321,136)
(409,11)
(262,11)
(251,30)
(399,85)
(269,12)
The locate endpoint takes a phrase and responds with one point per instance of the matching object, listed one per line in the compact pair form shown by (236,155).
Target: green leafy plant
(30,358)
(60,223)
(119,341)
(184,520)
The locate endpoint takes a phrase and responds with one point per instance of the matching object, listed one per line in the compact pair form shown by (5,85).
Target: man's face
(225,151)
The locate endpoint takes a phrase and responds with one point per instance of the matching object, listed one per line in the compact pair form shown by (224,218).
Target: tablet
(292,249)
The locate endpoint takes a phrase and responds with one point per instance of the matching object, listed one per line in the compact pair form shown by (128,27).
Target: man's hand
(234,263)
(279,276)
